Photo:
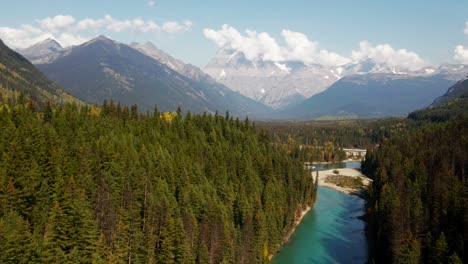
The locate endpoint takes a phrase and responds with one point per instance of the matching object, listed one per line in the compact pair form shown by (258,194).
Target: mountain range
(372,95)
(283,85)
(271,83)
(106,69)
(140,73)
(357,89)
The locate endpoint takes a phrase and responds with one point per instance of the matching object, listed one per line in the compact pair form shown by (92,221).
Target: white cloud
(461,54)
(300,48)
(66,30)
(116,25)
(176,27)
(90,24)
(254,45)
(150,26)
(56,23)
(21,37)
(386,54)
(151,3)
(261,46)
(135,25)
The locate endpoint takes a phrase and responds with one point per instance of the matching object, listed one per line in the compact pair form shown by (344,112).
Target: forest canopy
(418,202)
(110,185)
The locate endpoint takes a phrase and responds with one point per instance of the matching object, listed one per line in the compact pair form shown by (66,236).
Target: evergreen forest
(81,184)
(417,206)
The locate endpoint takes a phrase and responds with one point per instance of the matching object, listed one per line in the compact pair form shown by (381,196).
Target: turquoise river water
(331,232)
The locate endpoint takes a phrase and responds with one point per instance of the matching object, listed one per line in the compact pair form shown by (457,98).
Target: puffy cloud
(135,25)
(461,54)
(22,37)
(176,27)
(150,26)
(300,48)
(386,54)
(66,30)
(261,46)
(90,24)
(56,23)
(151,3)
(254,45)
(116,25)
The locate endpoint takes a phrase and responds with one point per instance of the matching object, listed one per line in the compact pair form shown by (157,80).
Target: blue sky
(430,29)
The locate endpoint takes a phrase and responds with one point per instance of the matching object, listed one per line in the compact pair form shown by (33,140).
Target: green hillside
(19,76)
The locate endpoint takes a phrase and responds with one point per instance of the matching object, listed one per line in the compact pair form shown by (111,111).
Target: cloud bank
(68,31)
(264,47)
(385,54)
(298,47)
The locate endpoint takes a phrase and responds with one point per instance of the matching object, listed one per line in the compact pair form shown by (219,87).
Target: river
(331,232)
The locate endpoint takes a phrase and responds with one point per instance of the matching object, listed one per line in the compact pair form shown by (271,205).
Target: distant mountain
(282,85)
(377,94)
(274,84)
(455,91)
(105,69)
(42,52)
(18,75)
(179,66)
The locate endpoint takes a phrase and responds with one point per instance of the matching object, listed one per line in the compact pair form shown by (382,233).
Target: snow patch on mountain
(279,84)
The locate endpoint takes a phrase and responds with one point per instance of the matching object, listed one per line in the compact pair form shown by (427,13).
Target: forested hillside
(418,202)
(458,107)
(20,80)
(324,140)
(81,185)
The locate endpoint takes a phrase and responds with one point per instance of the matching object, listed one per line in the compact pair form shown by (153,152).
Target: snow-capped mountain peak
(276,84)
(280,83)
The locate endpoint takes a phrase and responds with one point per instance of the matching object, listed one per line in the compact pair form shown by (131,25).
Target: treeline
(329,152)
(454,109)
(418,202)
(325,140)
(110,185)
(345,133)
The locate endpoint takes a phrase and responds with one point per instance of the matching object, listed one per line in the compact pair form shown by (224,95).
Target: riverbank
(288,236)
(332,232)
(346,172)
